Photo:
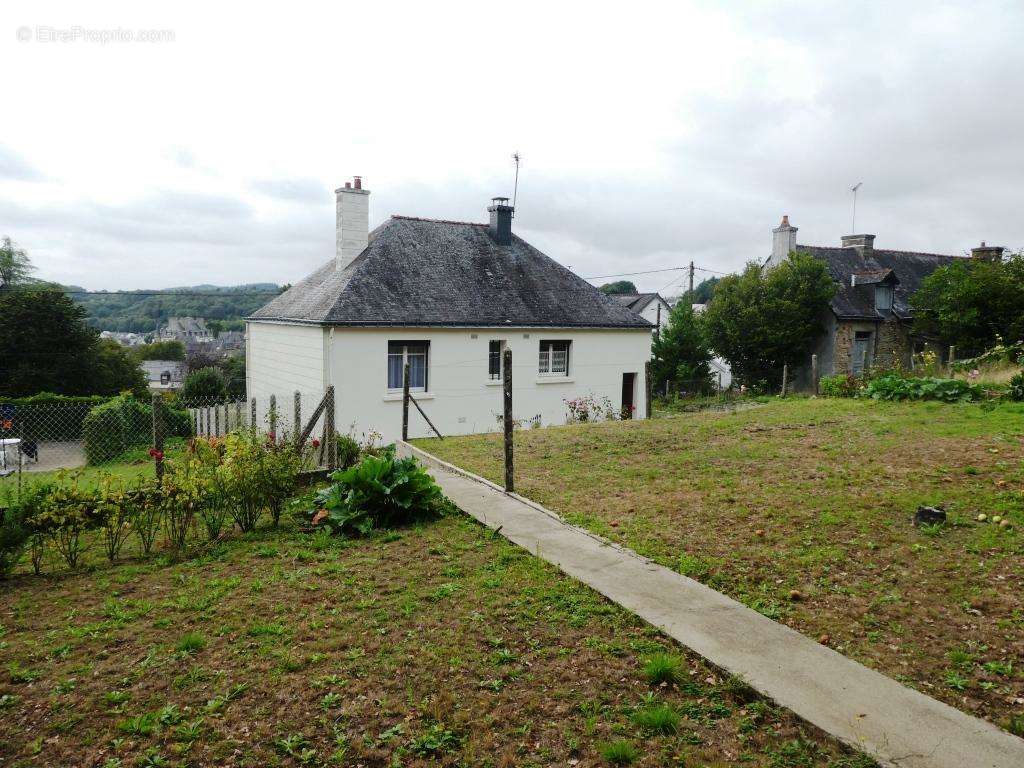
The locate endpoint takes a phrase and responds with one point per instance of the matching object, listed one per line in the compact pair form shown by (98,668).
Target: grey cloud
(294,190)
(15,167)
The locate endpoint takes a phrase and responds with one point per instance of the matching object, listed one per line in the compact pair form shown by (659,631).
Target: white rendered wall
(282,359)
(650,314)
(461,399)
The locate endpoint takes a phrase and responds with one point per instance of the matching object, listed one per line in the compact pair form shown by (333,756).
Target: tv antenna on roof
(515,188)
(853,222)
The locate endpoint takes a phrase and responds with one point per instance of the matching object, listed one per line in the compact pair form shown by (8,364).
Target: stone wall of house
(891,344)
(894,346)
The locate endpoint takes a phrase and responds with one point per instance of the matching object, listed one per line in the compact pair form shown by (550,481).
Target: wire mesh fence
(49,434)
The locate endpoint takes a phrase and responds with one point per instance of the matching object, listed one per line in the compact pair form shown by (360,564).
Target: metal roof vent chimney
(500,228)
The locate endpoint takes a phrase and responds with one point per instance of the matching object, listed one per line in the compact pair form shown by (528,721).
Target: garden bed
(802,509)
(439,644)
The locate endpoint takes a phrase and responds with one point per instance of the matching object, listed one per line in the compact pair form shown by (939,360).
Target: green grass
(443,645)
(814,497)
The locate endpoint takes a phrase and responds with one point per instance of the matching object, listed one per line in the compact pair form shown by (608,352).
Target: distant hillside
(140,311)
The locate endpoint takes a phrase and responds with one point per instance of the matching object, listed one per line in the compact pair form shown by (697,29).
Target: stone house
(869,321)
(446,299)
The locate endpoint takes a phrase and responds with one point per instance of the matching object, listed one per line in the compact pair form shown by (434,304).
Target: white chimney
(783,242)
(353,223)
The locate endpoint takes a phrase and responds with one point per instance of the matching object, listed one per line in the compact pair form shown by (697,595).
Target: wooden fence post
(785,379)
(238,414)
(158,436)
(648,384)
(507,372)
(216,421)
(952,358)
(272,416)
(252,415)
(332,443)
(814,373)
(297,423)
(405,401)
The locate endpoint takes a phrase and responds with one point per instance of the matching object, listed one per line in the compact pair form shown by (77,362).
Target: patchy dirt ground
(802,509)
(436,645)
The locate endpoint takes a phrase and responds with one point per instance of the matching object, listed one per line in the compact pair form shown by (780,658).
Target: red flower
(316,443)
(271,436)
(156,454)
(8,424)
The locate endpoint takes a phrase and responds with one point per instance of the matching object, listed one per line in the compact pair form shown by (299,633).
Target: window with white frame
(494,352)
(554,358)
(415,354)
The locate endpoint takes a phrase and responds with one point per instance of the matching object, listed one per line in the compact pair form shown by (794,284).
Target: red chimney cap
(358,182)
(785,220)
(348,185)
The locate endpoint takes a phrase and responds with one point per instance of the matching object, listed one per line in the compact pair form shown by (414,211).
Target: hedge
(123,423)
(47,416)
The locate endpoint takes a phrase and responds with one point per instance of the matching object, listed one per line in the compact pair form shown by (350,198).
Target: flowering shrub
(15,522)
(378,492)
(1016,388)
(589,408)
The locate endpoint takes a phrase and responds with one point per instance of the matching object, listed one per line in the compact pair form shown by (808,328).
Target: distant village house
(869,321)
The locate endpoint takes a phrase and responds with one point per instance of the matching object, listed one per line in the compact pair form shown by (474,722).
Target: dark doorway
(628,382)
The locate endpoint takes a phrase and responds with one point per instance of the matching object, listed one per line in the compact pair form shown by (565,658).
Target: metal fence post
(814,373)
(216,421)
(507,373)
(785,378)
(952,358)
(158,436)
(332,443)
(405,401)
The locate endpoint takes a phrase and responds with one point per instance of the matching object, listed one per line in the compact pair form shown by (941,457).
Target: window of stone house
(883,298)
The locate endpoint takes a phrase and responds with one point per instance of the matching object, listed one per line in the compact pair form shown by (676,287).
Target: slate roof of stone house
(427,272)
(858,302)
(635,301)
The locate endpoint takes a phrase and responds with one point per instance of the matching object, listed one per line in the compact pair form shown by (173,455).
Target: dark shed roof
(424,272)
(858,302)
(635,301)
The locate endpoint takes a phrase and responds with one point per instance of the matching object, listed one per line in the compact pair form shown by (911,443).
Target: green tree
(117,370)
(972,302)
(234,372)
(618,287)
(704,291)
(205,385)
(15,265)
(761,320)
(170,349)
(681,354)
(47,346)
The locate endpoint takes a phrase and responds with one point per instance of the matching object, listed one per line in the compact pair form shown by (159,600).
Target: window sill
(493,383)
(555,380)
(391,397)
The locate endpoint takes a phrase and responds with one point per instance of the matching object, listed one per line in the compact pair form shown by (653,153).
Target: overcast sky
(650,135)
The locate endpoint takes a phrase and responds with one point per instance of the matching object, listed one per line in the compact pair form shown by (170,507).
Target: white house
(448,298)
(650,306)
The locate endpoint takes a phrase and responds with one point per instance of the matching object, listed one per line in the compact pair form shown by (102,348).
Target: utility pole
(853,221)
(691,282)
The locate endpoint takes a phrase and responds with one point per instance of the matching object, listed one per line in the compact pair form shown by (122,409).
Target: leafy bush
(123,423)
(15,525)
(348,451)
(894,387)
(49,417)
(840,385)
(68,512)
(1016,388)
(257,472)
(204,386)
(379,492)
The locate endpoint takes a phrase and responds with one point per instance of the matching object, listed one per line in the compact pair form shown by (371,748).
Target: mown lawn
(435,645)
(802,509)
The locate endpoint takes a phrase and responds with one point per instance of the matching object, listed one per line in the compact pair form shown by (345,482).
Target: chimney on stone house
(352,228)
(500,228)
(783,242)
(987,252)
(864,244)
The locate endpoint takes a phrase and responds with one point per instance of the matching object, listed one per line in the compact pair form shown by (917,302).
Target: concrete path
(870,712)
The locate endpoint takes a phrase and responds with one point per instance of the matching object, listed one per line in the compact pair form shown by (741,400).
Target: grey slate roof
(635,301)
(909,267)
(425,272)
